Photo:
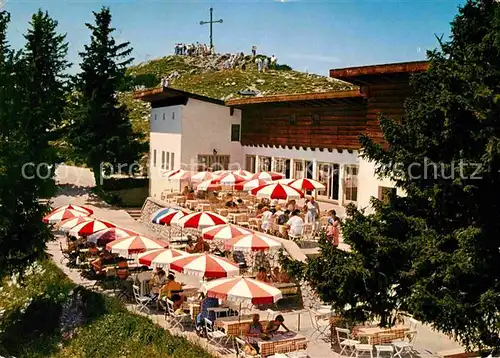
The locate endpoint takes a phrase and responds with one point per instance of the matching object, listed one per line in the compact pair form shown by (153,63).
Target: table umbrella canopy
(110,234)
(208,185)
(223,232)
(171,217)
(201,220)
(158,214)
(242,173)
(306,184)
(131,245)
(267,176)
(222,172)
(180,174)
(242,289)
(252,242)
(285,181)
(90,227)
(202,176)
(160,257)
(229,179)
(74,207)
(251,184)
(60,215)
(205,265)
(277,191)
(69,224)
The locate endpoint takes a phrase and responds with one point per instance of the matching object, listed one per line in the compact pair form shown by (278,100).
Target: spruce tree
(436,248)
(22,233)
(102,132)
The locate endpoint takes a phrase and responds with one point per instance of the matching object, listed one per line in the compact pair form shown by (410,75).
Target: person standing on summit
(254,51)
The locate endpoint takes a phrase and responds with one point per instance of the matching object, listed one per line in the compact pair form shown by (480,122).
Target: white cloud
(317,58)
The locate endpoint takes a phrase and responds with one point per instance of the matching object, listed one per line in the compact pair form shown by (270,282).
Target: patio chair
(307,231)
(346,343)
(405,346)
(65,254)
(300,350)
(296,238)
(321,326)
(380,348)
(363,348)
(176,320)
(214,336)
(142,301)
(240,349)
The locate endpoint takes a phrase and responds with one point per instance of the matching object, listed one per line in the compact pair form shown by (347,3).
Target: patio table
(234,326)
(372,333)
(279,343)
(204,207)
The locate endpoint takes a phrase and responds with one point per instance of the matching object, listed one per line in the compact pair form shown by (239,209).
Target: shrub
(124,183)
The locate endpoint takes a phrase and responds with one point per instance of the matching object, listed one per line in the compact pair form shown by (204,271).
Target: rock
(260,81)
(233,83)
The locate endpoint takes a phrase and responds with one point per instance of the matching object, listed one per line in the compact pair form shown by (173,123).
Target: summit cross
(211,22)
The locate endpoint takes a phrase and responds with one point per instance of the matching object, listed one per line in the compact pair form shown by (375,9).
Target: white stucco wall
(369,184)
(205,127)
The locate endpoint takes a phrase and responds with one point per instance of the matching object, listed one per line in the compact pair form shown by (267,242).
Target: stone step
(135,213)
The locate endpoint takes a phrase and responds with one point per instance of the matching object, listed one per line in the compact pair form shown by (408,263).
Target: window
(173,115)
(172,160)
(293,118)
(162,159)
(156,116)
(265,164)
(351,183)
(163,115)
(385,194)
(167,161)
(235,132)
(298,169)
(280,165)
(328,175)
(250,163)
(214,162)
(154,158)
(316,119)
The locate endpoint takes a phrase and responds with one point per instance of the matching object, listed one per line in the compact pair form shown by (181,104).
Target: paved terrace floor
(75,183)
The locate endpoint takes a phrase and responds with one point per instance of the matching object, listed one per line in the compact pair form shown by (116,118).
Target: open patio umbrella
(202,176)
(201,220)
(267,176)
(90,227)
(180,174)
(285,181)
(306,184)
(131,245)
(252,242)
(229,179)
(158,214)
(251,184)
(205,265)
(60,215)
(242,289)
(75,207)
(277,191)
(223,232)
(222,172)
(242,173)
(208,185)
(160,257)
(69,224)
(172,217)
(110,234)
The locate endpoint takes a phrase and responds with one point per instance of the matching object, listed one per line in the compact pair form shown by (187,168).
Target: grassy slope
(29,323)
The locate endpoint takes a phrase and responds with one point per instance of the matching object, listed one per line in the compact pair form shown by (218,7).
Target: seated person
(122,271)
(185,191)
(93,250)
(191,195)
(283,217)
(178,300)
(274,325)
(158,280)
(200,246)
(262,275)
(200,194)
(213,199)
(279,276)
(255,329)
(295,224)
(206,303)
(239,202)
(170,287)
(229,202)
(97,265)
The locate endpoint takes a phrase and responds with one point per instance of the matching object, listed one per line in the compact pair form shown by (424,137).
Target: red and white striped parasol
(208,185)
(251,184)
(277,191)
(74,207)
(229,179)
(201,220)
(110,234)
(131,245)
(222,172)
(172,217)
(223,232)
(88,228)
(160,257)
(69,224)
(242,289)
(202,176)
(59,215)
(205,265)
(285,181)
(306,184)
(180,174)
(252,242)
(242,173)
(267,176)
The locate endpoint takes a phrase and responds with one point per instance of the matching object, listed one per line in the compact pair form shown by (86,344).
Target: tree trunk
(97,175)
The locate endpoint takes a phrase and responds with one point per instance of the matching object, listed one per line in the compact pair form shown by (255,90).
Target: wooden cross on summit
(211,22)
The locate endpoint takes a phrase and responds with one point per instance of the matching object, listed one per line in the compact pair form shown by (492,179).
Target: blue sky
(308,35)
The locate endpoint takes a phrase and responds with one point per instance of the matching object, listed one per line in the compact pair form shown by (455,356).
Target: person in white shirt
(267,217)
(295,224)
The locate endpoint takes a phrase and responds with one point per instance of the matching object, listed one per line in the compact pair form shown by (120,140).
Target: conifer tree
(102,132)
(436,249)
